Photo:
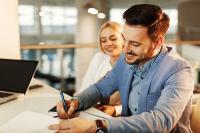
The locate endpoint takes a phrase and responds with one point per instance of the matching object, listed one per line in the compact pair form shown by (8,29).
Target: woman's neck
(113,60)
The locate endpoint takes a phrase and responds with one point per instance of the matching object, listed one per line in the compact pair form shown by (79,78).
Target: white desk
(37,100)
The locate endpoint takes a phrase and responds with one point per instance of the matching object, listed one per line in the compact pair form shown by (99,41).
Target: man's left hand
(75,125)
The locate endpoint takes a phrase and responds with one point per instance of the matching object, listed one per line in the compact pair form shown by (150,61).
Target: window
(26,19)
(173,15)
(116,15)
(26,15)
(58,20)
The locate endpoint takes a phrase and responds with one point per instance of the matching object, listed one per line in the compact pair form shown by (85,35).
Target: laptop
(15,77)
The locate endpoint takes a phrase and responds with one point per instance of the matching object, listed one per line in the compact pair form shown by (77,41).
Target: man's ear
(159,42)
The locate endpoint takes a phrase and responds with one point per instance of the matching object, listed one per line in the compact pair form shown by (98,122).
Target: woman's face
(111,42)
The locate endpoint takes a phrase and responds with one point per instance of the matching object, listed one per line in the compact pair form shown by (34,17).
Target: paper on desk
(93,114)
(29,122)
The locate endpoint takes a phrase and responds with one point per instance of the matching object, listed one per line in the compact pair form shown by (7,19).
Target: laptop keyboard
(4,94)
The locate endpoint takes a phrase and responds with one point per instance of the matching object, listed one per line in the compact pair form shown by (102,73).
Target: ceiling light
(92,10)
(41,43)
(101,15)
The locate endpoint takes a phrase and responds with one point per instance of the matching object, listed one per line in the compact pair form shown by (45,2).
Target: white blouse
(98,67)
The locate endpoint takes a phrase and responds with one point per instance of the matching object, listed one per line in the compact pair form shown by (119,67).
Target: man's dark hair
(150,16)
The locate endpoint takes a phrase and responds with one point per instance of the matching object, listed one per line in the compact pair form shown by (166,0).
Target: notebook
(15,77)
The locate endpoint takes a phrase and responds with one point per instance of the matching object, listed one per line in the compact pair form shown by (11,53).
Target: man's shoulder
(122,58)
(173,58)
(121,65)
(121,61)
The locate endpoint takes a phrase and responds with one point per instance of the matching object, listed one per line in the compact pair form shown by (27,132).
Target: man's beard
(137,61)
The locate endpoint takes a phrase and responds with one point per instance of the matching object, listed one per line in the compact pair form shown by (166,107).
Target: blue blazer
(164,103)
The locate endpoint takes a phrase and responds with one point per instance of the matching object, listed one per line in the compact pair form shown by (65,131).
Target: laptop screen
(15,75)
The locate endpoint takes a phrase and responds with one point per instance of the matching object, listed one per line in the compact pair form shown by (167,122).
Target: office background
(62,35)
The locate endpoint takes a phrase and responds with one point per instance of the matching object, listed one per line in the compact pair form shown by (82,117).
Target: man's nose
(126,49)
(126,46)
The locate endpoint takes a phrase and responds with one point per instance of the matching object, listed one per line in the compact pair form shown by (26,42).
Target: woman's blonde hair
(113,25)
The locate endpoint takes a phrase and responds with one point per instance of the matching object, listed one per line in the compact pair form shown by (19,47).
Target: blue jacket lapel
(127,87)
(146,84)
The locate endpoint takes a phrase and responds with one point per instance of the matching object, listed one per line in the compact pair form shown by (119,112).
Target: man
(155,83)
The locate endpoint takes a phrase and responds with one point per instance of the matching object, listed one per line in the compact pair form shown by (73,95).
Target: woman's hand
(108,109)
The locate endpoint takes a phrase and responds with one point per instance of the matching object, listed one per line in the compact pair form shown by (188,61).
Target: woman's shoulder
(101,56)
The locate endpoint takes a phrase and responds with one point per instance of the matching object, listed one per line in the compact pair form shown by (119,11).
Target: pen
(64,102)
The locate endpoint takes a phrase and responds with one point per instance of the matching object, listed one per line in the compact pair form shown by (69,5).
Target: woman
(111,45)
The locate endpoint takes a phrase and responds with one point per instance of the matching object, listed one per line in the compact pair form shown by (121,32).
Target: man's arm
(88,97)
(164,116)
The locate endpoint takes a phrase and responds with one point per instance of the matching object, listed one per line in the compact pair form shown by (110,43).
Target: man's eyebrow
(136,42)
(131,40)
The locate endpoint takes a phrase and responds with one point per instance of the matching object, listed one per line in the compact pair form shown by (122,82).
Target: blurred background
(63,34)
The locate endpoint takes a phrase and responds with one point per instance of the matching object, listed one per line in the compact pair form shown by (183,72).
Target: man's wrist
(80,104)
(105,124)
(101,126)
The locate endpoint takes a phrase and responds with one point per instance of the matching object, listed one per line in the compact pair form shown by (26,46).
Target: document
(90,113)
(29,122)
(93,114)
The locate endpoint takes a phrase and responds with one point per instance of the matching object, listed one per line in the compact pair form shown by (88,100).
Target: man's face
(138,45)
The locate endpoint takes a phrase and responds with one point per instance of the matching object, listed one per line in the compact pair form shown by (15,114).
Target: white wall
(87,33)
(9,29)
(87,30)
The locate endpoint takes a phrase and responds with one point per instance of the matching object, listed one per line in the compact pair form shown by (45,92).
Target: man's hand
(72,106)
(74,125)
(108,109)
